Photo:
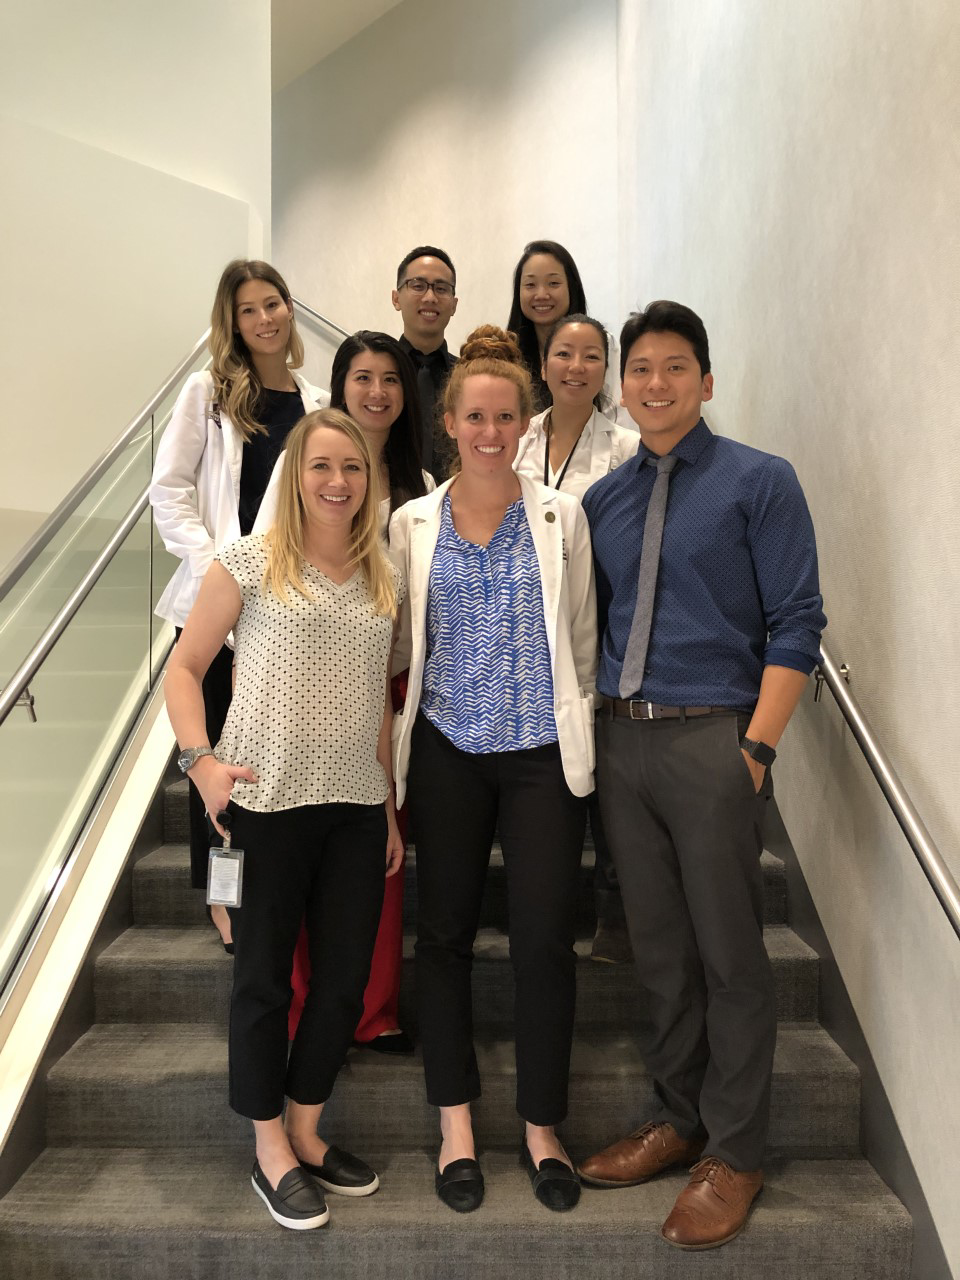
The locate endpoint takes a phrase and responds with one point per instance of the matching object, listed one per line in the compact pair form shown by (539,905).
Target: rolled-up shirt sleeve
(784,550)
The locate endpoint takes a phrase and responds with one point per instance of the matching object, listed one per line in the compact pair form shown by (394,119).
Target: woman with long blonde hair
(227,430)
(302,774)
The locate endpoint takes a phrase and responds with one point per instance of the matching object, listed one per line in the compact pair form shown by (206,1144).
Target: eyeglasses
(417,284)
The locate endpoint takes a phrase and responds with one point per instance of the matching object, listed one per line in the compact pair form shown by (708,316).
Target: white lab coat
(195,491)
(601,449)
(561,539)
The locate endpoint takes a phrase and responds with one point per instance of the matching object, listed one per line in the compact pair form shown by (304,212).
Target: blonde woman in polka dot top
(303,766)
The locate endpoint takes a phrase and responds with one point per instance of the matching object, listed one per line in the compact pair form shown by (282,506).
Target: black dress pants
(457,801)
(324,865)
(684,824)
(217,695)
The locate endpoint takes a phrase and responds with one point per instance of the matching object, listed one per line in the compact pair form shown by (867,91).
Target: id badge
(225,871)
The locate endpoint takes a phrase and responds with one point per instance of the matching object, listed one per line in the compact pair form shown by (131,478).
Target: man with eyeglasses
(426,297)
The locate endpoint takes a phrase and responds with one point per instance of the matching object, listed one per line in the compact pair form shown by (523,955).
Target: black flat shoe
(555,1184)
(343,1174)
(393,1042)
(460,1185)
(227,946)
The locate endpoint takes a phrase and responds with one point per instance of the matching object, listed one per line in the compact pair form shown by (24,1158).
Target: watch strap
(759,751)
(190,755)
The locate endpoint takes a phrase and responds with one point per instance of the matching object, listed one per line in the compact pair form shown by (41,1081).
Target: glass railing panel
(28,608)
(87,694)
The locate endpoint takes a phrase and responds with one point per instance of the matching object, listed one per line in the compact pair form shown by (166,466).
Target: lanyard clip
(224,817)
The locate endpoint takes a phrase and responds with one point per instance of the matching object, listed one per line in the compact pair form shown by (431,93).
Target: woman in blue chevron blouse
(496,735)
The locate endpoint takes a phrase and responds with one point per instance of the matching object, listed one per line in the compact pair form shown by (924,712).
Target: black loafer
(460,1185)
(343,1174)
(297,1202)
(392,1042)
(555,1184)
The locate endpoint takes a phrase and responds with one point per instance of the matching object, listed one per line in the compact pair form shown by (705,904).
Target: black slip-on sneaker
(296,1203)
(343,1174)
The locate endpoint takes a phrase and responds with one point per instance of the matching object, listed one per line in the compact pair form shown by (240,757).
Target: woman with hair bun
(496,734)
(214,460)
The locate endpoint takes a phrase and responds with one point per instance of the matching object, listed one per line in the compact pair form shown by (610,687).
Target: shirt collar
(687,450)
(424,357)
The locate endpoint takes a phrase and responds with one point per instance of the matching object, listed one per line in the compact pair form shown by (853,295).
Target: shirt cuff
(791,658)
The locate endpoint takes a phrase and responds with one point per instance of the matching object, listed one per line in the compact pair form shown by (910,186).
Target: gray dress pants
(684,825)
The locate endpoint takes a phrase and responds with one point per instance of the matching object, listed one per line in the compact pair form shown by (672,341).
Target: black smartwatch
(759,751)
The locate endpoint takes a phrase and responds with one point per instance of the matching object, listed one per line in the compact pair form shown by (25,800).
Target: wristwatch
(759,751)
(189,757)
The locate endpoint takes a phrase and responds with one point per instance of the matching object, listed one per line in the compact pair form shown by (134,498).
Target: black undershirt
(277,411)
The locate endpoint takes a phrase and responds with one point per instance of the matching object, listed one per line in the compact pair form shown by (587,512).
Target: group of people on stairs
(460,587)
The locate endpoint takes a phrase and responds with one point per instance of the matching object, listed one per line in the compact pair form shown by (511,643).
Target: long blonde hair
(236,385)
(285,536)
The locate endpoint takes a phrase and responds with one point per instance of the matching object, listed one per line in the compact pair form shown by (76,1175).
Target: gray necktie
(634,660)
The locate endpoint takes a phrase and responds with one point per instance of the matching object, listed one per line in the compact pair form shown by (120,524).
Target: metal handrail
(55,522)
(315,315)
(37,655)
(921,842)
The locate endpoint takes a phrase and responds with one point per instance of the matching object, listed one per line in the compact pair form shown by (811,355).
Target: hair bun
(489,342)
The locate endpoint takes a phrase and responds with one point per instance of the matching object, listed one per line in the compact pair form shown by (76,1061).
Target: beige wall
(135,147)
(472,127)
(791,171)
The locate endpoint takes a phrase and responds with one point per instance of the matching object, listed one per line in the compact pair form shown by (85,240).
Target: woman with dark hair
(226,431)
(569,446)
(373,380)
(546,287)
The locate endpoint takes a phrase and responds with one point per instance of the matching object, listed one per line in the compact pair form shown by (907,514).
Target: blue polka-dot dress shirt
(737,587)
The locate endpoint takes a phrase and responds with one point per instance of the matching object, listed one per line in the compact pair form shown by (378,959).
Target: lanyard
(546,457)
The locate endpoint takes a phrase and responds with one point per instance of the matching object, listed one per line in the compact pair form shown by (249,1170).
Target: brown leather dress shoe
(713,1206)
(640,1156)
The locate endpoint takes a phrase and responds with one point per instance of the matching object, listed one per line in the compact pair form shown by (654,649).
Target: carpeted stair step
(162,893)
(163,1084)
(102,1214)
(183,975)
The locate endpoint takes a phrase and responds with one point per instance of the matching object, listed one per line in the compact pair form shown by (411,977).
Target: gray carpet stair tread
(182,974)
(192,1212)
(165,1084)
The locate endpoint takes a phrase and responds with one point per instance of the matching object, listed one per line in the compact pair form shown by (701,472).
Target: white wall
(790,171)
(135,145)
(472,127)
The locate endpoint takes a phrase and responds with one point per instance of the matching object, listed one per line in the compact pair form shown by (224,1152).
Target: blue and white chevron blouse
(487,683)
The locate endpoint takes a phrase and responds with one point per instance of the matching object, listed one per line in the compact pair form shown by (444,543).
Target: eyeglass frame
(413,281)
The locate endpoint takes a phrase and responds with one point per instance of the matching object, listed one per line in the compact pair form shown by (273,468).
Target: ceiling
(305,31)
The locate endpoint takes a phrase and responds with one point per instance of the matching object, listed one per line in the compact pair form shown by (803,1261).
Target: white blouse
(311,677)
(602,447)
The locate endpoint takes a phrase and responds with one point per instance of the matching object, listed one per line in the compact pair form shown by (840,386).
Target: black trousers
(684,825)
(217,695)
(457,801)
(606,888)
(323,864)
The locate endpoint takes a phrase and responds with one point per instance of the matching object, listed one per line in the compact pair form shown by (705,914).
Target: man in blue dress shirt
(684,745)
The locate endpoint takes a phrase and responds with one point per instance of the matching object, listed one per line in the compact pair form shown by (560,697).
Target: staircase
(146,1175)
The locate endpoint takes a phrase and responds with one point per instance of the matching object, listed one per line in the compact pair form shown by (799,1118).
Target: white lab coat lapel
(540,504)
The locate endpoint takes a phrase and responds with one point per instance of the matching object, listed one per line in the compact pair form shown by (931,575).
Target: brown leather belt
(634,709)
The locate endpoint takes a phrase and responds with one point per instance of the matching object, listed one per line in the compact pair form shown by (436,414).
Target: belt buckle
(636,702)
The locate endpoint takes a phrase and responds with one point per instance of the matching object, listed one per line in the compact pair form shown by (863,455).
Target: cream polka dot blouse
(310,682)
